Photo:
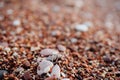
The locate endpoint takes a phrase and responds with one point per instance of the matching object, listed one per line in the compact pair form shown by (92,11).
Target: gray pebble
(2,72)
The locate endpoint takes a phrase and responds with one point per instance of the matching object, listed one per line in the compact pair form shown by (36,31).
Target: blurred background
(101,12)
(36,16)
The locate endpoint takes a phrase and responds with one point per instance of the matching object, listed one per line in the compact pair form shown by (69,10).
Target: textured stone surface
(46,52)
(44,67)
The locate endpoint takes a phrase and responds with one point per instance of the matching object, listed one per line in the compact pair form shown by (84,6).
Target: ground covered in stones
(59,40)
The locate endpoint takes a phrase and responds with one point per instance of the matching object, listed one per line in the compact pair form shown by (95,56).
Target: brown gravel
(29,26)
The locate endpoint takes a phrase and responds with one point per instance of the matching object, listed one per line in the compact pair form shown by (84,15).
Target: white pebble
(1,47)
(15,49)
(56,71)
(109,24)
(81,27)
(15,54)
(88,23)
(1,4)
(4,53)
(61,47)
(19,69)
(34,48)
(63,74)
(39,59)
(79,3)
(44,67)
(46,52)
(9,11)
(7,49)
(56,8)
(55,33)
(65,79)
(73,40)
(19,30)
(1,17)
(16,22)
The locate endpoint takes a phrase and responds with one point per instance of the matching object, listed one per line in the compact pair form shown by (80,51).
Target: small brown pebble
(117,74)
(78,77)
(107,59)
(26,63)
(51,78)
(27,76)
(12,77)
(117,62)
